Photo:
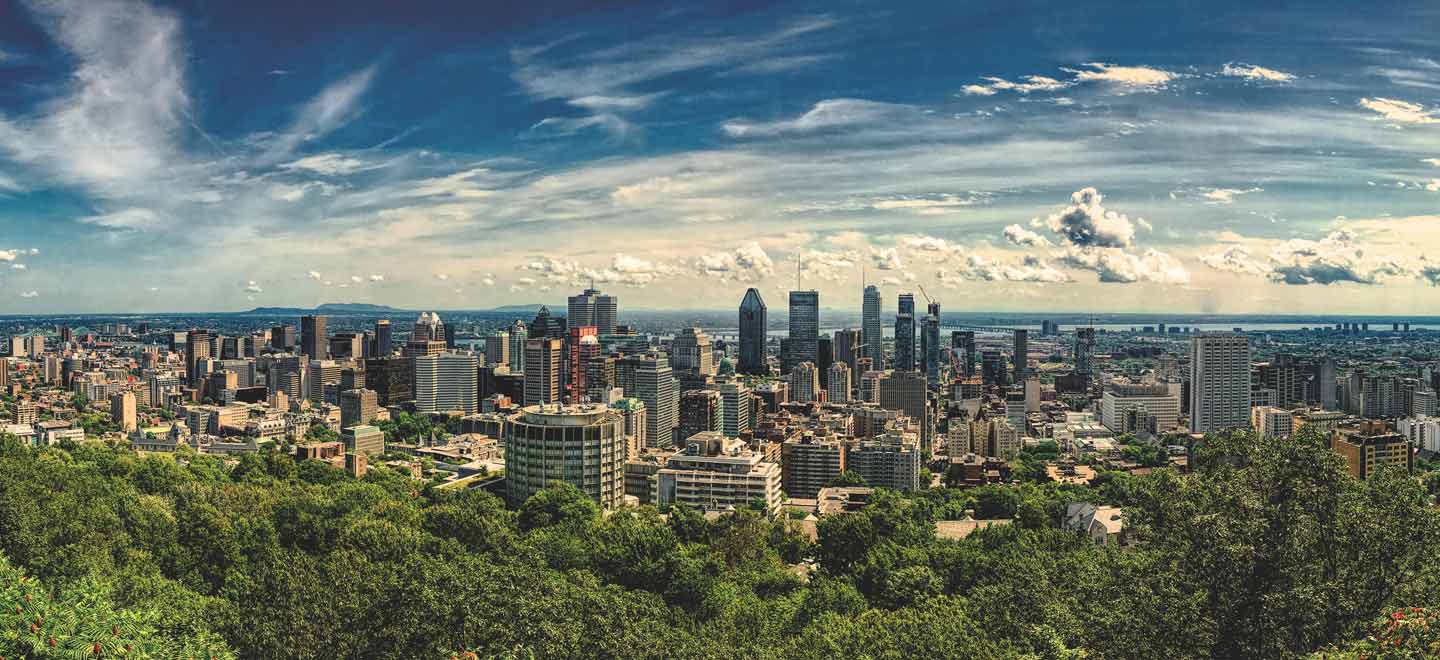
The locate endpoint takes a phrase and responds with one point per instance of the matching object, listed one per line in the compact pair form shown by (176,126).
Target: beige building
(716,473)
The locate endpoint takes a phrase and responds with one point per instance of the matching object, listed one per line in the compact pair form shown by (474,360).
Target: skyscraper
(837,389)
(870,334)
(1085,352)
(122,410)
(735,404)
(700,411)
(930,343)
(649,378)
(446,383)
(197,348)
(1219,382)
(804,383)
(691,353)
(847,345)
(581,308)
(543,363)
(546,324)
(584,346)
(607,313)
(282,338)
(804,328)
(313,342)
(581,445)
(497,348)
(593,308)
(518,335)
(384,339)
(962,342)
(905,333)
(1021,358)
(752,333)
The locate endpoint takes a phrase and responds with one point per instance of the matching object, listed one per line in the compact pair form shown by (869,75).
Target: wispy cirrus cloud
(1400,112)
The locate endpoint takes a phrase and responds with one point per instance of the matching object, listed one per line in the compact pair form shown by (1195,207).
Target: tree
(559,504)
(849,478)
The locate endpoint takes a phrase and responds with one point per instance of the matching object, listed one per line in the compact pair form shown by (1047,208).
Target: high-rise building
(319,374)
(804,316)
(1021,369)
(1085,352)
(930,343)
(122,410)
(873,343)
(716,473)
(497,348)
(962,342)
(282,338)
(1158,401)
(1219,382)
(1370,446)
(428,327)
(584,346)
(692,354)
(700,411)
(1272,422)
(544,360)
(392,379)
(547,325)
(594,308)
(847,345)
(313,342)
(446,383)
(363,439)
(518,335)
(735,404)
(582,445)
(905,333)
(358,406)
(384,339)
(805,383)
(752,334)
(197,349)
(581,308)
(650,379)
(837,389)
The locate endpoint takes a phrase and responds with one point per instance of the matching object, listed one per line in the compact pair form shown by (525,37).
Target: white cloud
(886,258)
(29,294)
(1086,223)
(1127,77)
(1028,84)
(377,278)
(973,267)
(132,219)
(1227,195)
(1235,259)
(253,287)
(1335,258)
(826,115)
(747,263)
(330,109)
(314,275)
(356,279)
(1115,265)
(1254,72)
(1024,237)
(1403,112)
(441,276)
(9,255)
(329,164)
(17,266)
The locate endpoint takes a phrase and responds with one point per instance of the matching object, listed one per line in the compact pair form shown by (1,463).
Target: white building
(1423,432)
(1158,400)
(446,383)
(1219,382)
(716,473)
(837,390)
(1272,422)
(804,382)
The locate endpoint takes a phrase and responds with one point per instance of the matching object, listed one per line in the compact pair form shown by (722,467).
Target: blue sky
(1216,157)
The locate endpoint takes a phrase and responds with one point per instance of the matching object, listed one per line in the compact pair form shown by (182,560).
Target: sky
(1219,157)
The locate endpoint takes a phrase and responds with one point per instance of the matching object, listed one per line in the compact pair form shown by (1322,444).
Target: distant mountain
(327,308)
(535,307)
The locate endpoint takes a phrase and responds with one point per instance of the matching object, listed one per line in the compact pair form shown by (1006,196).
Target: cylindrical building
(582,445)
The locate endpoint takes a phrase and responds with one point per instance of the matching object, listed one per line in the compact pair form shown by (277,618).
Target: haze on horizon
(1224,158)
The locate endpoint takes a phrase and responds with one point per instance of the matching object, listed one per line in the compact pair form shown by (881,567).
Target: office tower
(1021,368)
(497,348)
(692,354)
(4,373)
(384,339)
(358,406)
(543,364)
(962,342)
(873,343)
(847,345)
(347,345)
(321,373)
(229,348)
(633,411)
(428,327)
(992,368)
(419,347)
(699,412)
(53,370)
(583,347)
(18,346)
(607,313)
(735,404)
(282,338)
(887,461)
(930,343)
(837,387)
(650,379)
(312,337)
(546,325)
(804,328)
(752,334)
(583,446)
(804,383)
(599,377)
(1157,400)
(581,308)
(809,463)
(715,473)
(905,333)
(1085,352)
(824,355)
(391,378)
(446,383)
(905,392)
(1219,382)
(518,335)
(122,410)
(197,348)
(351,378)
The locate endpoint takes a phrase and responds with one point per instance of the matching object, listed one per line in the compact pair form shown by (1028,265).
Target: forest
(1267,549)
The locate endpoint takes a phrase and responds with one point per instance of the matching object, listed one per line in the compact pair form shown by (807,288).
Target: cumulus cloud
(30,294)
(1118,266)
(488,279)
(1028,84)
(314,275)
(1126,77)
(1254,72)
(748,263)
(356,279)
(886,258)
(1086,223)
(1227,195)
(17,267)
(973,267)
(253,287)
(830,114)
(930,248)
(377,278)
(441,276)
(1235,259)
(8,255)
(1333,259)
(1024,237)
(1403,112)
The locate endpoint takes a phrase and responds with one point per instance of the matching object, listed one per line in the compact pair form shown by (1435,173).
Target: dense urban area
(545,483)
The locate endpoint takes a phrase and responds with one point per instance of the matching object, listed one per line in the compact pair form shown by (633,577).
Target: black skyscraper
(752,334)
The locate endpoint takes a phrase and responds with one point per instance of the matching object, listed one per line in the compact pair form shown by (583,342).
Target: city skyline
(167,156)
